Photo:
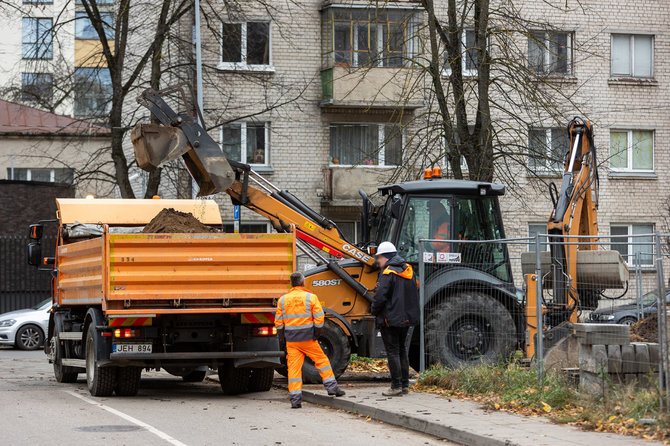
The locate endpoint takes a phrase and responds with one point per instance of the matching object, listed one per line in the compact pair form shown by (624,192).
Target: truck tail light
(264,331)
(126,333)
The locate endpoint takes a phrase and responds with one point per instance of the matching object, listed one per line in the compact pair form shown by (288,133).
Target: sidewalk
(462,422)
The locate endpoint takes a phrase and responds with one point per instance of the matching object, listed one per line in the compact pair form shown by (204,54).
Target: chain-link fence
(599,304)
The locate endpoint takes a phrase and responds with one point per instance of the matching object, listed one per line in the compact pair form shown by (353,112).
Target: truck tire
(195,376)
(127,381)
(233,380)
(335,344)
(469,327)
(62,373)
(100,380)
(260,380)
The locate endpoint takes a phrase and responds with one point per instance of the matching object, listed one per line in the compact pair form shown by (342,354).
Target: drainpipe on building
(198,77)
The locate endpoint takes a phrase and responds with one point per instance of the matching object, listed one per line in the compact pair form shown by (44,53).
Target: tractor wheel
(468,328)
(335,344)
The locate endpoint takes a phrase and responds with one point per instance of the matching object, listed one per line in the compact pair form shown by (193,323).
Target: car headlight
(608,317)
(7,323)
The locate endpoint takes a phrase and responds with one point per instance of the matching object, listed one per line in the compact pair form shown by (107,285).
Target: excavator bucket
(180,135)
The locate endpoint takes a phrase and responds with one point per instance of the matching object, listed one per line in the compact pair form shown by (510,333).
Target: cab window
(425,218)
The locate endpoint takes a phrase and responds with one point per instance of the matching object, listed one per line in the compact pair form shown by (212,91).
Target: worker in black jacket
(396,307)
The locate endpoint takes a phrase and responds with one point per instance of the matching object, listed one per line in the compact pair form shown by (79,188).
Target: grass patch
(625,409)
(363,364)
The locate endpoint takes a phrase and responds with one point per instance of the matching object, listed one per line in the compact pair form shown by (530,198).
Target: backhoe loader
(473,310)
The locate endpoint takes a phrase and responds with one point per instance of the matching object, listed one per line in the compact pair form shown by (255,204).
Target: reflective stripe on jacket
(298,312)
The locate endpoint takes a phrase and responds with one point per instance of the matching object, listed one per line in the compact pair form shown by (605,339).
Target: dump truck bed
(176,273)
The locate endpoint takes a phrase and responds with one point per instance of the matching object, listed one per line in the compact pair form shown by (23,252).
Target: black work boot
(296,405)
(336,392)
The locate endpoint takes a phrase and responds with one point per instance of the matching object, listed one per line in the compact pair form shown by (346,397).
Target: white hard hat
(385,248)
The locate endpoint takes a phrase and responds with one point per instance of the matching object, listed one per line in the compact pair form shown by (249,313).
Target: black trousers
(394,342)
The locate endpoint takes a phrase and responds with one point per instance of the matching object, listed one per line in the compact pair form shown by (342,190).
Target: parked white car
(26,329)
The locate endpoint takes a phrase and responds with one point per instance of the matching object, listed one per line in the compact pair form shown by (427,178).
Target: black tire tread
(105,377)
(128,381)
(233,380)
(260,380)
(465,302)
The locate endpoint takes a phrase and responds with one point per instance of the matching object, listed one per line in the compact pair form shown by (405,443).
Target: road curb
(406,421)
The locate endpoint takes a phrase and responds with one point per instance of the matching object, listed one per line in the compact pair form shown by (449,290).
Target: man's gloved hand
(317,333)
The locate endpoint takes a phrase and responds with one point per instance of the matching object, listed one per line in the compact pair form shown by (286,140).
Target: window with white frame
(247,142)
(533,230)
(632,150)
(469,55)
(546,149)
(632,240)
(245,45)
(378,37)
(365,144)
(47,175)
(632,55)
(550,52)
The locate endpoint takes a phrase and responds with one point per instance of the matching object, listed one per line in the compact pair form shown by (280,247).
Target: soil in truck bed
(170,221)
(645,330)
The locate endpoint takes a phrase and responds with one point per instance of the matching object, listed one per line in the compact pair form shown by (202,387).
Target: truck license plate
(131,348)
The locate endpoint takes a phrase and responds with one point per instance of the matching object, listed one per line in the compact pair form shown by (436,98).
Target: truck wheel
(233,380)
(100,380)
(260,380)
(335,344)
(127,381)
(29,337)
(62,373)
(196,376)
(469,327)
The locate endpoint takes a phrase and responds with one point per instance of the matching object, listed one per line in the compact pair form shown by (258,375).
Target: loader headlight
(7,323)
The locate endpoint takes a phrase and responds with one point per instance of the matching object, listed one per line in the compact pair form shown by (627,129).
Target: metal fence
(22,285)
(598,303)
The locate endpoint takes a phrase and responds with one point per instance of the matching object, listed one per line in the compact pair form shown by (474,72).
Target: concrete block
(593,358)
(642,357)
(592,383)
(614,358)
(608,334)
(628,364)
(654,355)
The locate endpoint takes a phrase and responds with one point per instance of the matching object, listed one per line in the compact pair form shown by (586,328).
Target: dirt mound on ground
(645,330)
(170,221)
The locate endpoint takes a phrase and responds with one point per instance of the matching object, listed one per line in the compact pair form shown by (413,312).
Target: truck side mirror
(36,231)
(34,253)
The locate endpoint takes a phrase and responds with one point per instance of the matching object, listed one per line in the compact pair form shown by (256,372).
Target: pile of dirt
(645,330)
(170,221)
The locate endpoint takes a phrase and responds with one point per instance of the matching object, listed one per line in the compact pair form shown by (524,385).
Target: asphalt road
(37,410)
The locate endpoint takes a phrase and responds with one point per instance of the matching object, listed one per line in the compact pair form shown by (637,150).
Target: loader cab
(443,209)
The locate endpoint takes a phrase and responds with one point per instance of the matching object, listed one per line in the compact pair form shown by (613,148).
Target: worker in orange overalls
(299,319)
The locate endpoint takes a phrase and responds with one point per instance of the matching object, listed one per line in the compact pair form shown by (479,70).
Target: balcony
(370,88)
(341,184)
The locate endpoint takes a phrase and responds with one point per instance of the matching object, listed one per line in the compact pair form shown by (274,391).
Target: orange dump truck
(126,300)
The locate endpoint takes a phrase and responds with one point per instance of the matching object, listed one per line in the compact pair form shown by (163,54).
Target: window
(36,87)
(247,142)
(37,38)
(629,240)
(83,28)
(245,44)
(378,37)
(365,144)
(546,149)
(248,228)
(533,230)
(425,218)
(469,55)
(632,55)
(92,91)
(349,229)
(632,150)
(550,53)
(48,175)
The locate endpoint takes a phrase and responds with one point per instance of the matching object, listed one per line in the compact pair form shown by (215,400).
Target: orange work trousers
(295,356)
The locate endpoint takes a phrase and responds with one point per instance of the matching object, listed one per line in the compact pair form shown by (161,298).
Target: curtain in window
(621,54)
(352,144)
(392,145)
(647,250)
(642,48)
(643,151)
(619,150)
(558,53)
(231,141)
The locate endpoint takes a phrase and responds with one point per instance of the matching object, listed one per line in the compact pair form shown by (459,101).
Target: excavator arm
(181,136)
(575,213)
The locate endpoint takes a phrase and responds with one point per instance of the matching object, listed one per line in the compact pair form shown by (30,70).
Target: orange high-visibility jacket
(298,312)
